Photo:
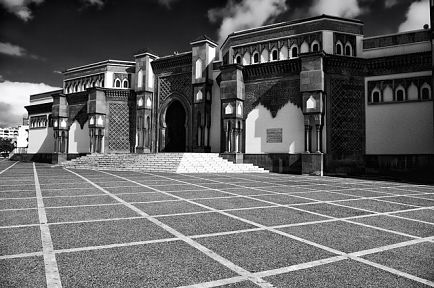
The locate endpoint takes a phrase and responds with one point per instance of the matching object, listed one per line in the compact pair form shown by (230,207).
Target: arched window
(274,55)
(118,83)
(425,92)
(315,46)
(339,48)
(140,79)
(400,95)
(238,59)
(255,59)
(198,69)
(125,83)
(348,49)
(294,52)
(375,96)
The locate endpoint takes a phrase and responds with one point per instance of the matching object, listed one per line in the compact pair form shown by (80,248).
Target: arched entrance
(176,130)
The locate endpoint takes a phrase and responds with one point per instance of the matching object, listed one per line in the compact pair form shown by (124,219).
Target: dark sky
(68,33)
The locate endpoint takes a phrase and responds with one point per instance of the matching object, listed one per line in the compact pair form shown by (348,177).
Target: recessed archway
(176,130)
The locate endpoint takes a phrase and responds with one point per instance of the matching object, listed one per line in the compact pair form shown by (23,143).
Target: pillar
(312,89)
(145,91)
(203,55)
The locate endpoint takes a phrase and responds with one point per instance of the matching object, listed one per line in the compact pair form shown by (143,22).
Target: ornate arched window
(274,55)
(425,92)
(348,49)
(294,51)
(199,69)
(125,83)
(375,96)
(255,58)
(238,59)
(118,83)
(339,48)
(315,46)
(400,94)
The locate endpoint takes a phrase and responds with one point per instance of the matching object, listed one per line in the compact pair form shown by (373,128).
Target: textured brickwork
(346,118)
(273,94)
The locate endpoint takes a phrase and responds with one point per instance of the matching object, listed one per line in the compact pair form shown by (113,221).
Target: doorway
(176,130)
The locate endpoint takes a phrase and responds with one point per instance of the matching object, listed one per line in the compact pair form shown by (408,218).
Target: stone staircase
(162,162)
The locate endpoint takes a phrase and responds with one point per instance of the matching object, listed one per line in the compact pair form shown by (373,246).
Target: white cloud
(339,8)
(14,96)
(417,16)
(246,14)
(20,7)
(11,49)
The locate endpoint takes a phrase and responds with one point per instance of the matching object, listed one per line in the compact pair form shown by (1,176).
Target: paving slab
(78,201)
(204,223)
(153,265)
(176,187)
(263,250)
(345,273)
(410,227)
(247,191)
(362,193)
(287,189)
(284,199)
(206,193)
(18,203)
(172,207)
(19,217)
(410,201)
(25,272)
(325,196)
(243,284)
(376,205)
(426,215)
(232,203)
(275,216)
(17,194)
(417,260)
(333,210)
(130,189)
(67,214)
(145,197)
(71,192)
(99,233)
(20,240)
(345,237)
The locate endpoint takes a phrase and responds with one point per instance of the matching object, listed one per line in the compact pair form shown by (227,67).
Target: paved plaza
(84,228)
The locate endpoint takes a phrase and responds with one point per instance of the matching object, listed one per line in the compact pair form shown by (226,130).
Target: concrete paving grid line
(230,198)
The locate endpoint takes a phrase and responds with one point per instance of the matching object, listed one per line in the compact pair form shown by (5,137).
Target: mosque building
(307,96)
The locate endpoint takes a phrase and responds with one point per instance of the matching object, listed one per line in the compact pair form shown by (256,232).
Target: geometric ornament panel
(347,117)
(119,129)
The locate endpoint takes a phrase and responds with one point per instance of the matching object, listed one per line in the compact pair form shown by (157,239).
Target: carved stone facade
(317,84)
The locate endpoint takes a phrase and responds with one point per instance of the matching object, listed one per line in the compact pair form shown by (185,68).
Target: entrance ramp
(162,162)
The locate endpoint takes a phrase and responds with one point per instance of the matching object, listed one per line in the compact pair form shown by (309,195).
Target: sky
(41,38)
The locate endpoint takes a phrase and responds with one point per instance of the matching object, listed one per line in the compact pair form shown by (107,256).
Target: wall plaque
(274,135)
